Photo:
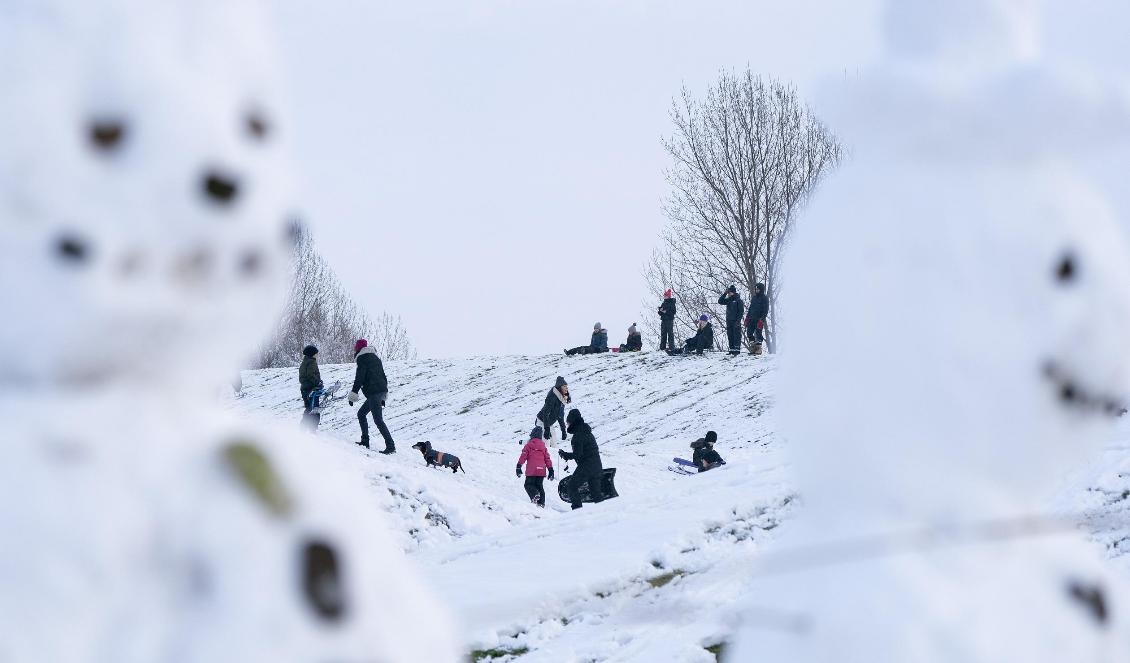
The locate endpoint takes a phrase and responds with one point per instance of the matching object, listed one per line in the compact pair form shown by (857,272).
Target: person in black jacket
(735,307)
(702,340)
(667,321)
(587,454)
(705,457)
(309,377)
(598,343)
(553,412)
(635,340)
(372,381)
(758,311)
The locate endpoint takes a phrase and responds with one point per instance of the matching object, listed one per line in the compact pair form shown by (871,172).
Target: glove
(564,436)
(761,323)
(551,474)
(353,397)
(564,454)
(518,471)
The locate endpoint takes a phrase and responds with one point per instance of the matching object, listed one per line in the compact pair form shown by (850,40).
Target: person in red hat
(667,321)
(371,381)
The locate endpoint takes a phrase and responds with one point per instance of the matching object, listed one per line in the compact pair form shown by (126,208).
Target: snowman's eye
(321,580)
(72,249)
(1090,598)
(257,126)
(219,187)
(106,134)
(251,262)
(1065,268)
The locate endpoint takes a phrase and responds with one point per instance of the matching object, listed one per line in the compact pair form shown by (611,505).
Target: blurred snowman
(144,239)
(981,352)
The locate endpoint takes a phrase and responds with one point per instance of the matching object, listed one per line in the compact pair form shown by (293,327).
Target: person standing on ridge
(667,321)
(538,464)
(735,307)
(371,380)
(755,318)
(553,412)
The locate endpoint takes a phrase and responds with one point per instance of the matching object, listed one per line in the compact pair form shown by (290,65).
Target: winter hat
(703,318)
(668,293)
(536,433)
(711,437)
(632,329)
(560,382)
(309,351)
(732,288)
(596,327)
(760,287)
(359,345)
(574,417)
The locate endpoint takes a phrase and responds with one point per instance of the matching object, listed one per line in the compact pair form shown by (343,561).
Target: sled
(682,466)
(318,400)
(607,484)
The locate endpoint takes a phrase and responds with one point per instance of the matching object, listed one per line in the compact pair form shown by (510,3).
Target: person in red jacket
(538,463)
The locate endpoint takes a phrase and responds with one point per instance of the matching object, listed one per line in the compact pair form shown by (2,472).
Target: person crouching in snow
(598,343)
(587,454)
(635,340)
(705,457)
(372,382)
(553,412)
(538,463)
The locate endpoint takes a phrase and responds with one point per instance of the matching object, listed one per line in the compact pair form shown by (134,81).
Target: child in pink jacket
(538,464)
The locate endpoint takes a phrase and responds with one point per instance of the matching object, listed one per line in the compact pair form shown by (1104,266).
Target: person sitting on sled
(635,340)
(703,339)
(599,343)
(705,457)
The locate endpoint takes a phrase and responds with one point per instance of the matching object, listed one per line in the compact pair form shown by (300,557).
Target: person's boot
(389,449)
(364,441)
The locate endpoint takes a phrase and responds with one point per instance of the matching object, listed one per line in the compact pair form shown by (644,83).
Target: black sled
(607,484)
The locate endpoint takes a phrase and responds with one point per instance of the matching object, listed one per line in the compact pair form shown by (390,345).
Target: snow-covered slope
(659,574)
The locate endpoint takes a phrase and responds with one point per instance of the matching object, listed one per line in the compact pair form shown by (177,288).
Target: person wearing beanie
(371,381)
(587,454)
(309,377)
(705,457)
(755,319)
(598,343)
(702,340)
(635,340)
(667,321)
(553,412)
(538,464)
(735,307)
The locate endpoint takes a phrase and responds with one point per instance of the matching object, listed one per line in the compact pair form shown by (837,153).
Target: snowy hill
(662,572)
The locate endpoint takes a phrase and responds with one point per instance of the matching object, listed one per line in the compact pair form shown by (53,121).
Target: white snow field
(661,573)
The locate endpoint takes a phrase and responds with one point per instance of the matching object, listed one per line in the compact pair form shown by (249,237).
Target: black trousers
(535,489)
(667,335)
(580,350)
(306,399)
(592,478)
(754,333)
(374,406)
(734,336)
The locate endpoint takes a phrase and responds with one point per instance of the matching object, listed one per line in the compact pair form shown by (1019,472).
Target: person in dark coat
(598,343)
(667,321)
(587,454)
(371,380)
(309,377)
(705,457)
(735,307)
(553,412)
(758,311)
(635,340)
(702,340)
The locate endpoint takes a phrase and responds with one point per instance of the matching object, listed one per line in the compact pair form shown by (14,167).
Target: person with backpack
(735,307)
(589,468)
(538,464)
(667,321)
(702,340)
(553,412)
(309,377)
(598,343)
(370,380)
(755,318)
(705,457)
(635,340)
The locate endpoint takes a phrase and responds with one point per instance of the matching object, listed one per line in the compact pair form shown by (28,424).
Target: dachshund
(433,458)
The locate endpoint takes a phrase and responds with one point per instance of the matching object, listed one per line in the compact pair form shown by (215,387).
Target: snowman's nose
(219,187)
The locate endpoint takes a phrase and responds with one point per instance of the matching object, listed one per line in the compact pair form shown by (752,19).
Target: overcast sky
(492,171)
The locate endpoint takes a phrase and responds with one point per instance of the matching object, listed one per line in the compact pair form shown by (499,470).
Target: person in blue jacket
(599,343)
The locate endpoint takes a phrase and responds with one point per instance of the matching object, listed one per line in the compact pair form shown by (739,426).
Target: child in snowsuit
(538,463)
(667,321)
(371,380)
(705,457)
(635,340)
(309,377)
(553,412)
(587,454)
(598,343)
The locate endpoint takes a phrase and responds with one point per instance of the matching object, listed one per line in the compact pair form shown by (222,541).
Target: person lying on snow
(309,377)
(599,343)
(538,463)
(635,340)
(705,457)
(703,340)
(587,454)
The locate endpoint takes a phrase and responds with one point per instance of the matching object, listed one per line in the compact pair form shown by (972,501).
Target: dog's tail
(461,467)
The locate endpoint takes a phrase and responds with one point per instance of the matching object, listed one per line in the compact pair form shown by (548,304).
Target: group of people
(599,342)
(704,336)
(534,463)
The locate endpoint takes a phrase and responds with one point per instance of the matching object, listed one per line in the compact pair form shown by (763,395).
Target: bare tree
(320,312)
(745,159)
